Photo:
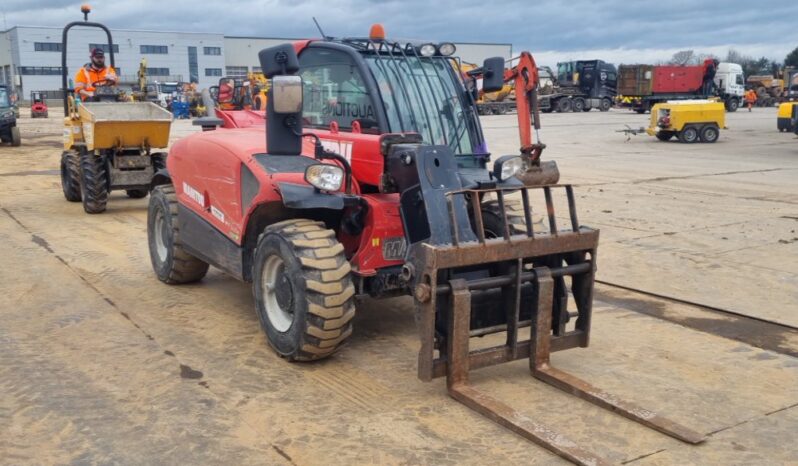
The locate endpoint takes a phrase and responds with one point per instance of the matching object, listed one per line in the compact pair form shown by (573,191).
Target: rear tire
(578,104)
(171,263)
(94,182)
(70,176)
(303,289)
(16,138)
(709,134)
(688,135)
(564,105)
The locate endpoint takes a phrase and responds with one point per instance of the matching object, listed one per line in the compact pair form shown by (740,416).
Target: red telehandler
(371,176)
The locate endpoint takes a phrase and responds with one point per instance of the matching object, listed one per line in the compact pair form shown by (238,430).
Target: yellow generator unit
(784,118)
(689,120)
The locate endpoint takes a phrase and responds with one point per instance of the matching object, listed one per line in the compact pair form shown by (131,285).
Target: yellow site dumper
(784,119)
(689,120)
(108,141)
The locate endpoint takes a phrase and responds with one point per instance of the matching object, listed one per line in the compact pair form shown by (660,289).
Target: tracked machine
(370,176)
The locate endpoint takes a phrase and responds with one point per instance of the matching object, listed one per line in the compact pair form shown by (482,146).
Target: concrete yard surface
(101,363)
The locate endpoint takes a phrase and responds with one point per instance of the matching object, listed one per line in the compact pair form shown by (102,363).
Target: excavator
(375,179)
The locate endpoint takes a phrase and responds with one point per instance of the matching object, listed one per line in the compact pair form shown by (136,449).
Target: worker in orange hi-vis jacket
(93,75)
(750,98)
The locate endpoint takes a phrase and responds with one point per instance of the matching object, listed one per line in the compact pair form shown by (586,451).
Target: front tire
(70,176)
(94,182)
(606,105)
(171,263)
(732,105)
(303,289)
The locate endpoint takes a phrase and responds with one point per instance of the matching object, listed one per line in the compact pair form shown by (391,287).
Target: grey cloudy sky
(616,30)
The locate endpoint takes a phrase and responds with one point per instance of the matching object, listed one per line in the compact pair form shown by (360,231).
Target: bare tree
(683,57)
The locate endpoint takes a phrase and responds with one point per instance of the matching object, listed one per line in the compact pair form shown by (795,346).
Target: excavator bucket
(468,286)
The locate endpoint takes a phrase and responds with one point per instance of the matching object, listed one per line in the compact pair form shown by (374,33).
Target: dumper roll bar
(64,37)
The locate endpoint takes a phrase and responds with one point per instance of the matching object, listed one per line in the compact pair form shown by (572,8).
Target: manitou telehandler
(372,177)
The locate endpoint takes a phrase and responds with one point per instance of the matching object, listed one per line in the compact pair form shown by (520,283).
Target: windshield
(4,102)
(168,88)
(426,96)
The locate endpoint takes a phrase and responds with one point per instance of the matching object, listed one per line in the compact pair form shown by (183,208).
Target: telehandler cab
(372,178)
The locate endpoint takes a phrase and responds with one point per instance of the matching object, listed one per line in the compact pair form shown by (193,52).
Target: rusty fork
(459,359)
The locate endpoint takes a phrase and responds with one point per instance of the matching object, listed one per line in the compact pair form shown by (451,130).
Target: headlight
(427,50)
(7,114)
(446,49)
(325,177)
(506,167)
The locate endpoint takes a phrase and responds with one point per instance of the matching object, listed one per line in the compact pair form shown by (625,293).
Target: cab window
(334,90)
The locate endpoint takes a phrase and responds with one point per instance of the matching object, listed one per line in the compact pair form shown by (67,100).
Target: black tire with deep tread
(93,182)
(179,266)
(492,218)
(70,176)
(319,275)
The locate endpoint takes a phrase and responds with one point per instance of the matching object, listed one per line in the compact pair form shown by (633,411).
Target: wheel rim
(278,296)
(161,234)
(710,134)
(690,135)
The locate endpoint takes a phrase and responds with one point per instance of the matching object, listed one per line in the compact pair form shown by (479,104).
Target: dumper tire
(709,133)
(688,134)
(303,290)
(93,182)
(16,137)
(171,263)
(70,176)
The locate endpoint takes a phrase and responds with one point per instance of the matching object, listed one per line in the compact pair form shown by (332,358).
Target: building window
(193,65)
(213,71)
(157,71)
(104,47)
(236,70)
(212,50)
(154,49)
(47,46)
(39,70)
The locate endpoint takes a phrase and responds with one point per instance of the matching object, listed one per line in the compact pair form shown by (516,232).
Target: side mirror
(493,74)
(280,59)
(287,94)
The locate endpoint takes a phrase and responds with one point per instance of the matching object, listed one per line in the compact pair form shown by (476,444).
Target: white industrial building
(30,56)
